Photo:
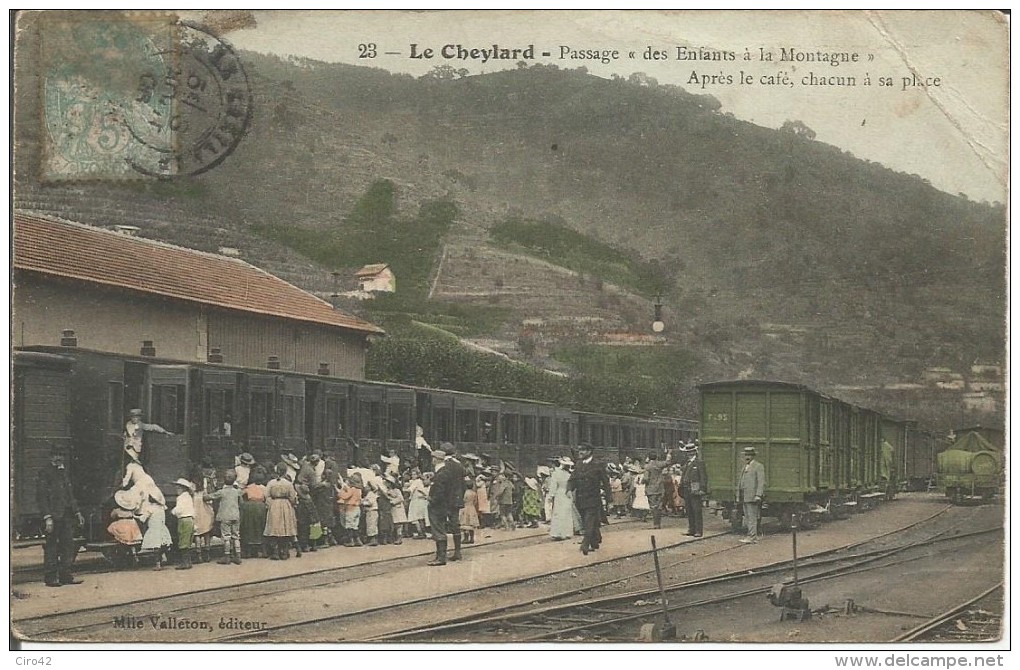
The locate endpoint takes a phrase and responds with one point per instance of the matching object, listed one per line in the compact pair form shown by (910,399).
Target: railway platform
(501,565)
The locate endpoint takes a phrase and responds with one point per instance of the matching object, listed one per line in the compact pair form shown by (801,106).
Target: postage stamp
(511,327)
(126,97)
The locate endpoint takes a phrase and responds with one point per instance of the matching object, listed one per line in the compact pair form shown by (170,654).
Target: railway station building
(123,294)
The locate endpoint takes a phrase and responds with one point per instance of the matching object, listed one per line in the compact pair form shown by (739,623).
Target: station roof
(74,251)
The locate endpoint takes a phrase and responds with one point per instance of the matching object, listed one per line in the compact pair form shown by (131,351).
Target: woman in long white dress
(561,526)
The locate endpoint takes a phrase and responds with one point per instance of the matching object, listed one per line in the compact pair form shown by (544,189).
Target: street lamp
(657,325)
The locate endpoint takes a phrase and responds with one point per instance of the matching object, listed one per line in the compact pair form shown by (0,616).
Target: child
(396,499)
(370,505)
(482,496)
(184,510)
(229,517)
(253,516)
(350,498)
(152,513)
(503,492)
(123,526)
(531,503)
(304,511)
(385,515)
(205,517)
(469,512)
(417,508)
(640,504)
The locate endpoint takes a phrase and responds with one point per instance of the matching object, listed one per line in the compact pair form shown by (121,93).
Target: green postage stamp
(146,96)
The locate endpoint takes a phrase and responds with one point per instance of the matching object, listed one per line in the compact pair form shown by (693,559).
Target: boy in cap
(229,517)
(750,492)
(184,510)
(134,429)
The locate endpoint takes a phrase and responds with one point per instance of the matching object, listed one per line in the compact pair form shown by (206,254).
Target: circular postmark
(131,96)
(194,110)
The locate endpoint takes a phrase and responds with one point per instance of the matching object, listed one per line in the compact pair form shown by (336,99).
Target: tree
(798,128)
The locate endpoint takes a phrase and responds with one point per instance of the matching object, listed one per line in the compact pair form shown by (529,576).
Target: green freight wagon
(781,421)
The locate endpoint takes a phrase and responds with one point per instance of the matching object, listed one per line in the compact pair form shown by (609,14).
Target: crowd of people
(269,509)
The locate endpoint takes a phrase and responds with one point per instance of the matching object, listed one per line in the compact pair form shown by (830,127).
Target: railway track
(74,622)
(328,624)
(975,620)
(585,617)
(87,623)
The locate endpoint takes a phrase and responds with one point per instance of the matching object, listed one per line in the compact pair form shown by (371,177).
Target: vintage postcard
(523,329)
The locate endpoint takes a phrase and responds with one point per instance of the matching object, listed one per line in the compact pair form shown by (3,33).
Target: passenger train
(80,399)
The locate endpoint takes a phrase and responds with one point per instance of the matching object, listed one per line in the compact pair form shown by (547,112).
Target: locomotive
(79,398)
(972,468)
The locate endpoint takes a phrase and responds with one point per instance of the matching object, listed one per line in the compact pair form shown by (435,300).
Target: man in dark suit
(694,488)
(60,511)
(590,485)
(446,497)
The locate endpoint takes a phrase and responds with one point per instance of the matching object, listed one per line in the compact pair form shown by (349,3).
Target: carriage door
(166,457)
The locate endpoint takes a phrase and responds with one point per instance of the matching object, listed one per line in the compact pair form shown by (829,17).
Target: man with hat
(655,474)
(750,491)
(446,497)
(60,512)
(590,485)
(134,429)
(693,488)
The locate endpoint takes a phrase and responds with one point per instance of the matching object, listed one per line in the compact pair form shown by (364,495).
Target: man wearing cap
(750,492)
(134,430)
(590,485)
(60,511)
(693,488)
(446,497)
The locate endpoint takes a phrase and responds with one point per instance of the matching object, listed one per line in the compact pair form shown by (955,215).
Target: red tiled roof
(89,254)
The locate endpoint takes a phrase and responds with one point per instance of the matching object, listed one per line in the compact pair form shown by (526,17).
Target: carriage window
(219,407)
(370,419)
(443,426)
(168,401)
(261,414)
(488,426)
(336,416)
(400,421)
(115,406)
(544,430)
(467,425)
(510,428)
(529,430)
(293,416)
(564,432)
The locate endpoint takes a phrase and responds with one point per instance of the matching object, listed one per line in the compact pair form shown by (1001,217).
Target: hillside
(784,256)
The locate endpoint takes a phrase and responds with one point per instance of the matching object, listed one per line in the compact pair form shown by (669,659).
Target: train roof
(42,359)
(67,353)
(755,382)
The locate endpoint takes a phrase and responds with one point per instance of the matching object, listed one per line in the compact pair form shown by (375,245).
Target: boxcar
(781,421)
(820,454)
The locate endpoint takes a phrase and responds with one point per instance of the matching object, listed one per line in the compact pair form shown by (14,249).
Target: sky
(953,131)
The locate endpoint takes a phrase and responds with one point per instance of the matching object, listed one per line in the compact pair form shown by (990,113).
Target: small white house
(377,277)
